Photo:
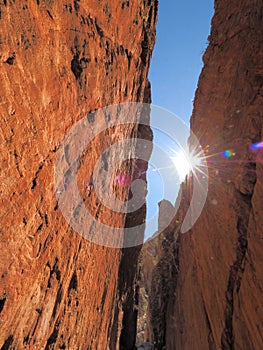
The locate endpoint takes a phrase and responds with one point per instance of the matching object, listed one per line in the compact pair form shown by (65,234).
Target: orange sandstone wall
(60,60)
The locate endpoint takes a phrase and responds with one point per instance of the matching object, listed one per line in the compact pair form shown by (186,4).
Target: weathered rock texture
(207,288)
(60,60)
(147,261)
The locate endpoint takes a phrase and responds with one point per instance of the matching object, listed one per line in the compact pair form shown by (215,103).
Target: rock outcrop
(207,288)
(59,61)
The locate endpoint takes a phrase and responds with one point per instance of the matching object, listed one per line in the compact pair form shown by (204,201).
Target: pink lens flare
(122,180)
(257,145)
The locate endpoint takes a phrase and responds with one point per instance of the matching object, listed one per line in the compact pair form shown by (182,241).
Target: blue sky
(182,31)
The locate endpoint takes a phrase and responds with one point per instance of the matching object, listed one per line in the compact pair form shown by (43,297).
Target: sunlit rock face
(208,283)
(59,61)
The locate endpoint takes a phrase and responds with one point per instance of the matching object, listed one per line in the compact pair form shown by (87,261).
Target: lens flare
(122,180)
(228,153)
(257,145)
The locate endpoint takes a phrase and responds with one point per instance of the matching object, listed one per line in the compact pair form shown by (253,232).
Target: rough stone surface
(207,288)
(148,259)
(60,60)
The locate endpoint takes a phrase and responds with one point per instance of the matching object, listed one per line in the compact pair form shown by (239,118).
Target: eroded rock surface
(59,61)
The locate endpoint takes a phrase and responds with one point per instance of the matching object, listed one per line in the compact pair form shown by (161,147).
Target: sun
(182,164)
(185,163)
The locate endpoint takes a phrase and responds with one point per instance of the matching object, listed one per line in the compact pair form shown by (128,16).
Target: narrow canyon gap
(206,289)
(59,61)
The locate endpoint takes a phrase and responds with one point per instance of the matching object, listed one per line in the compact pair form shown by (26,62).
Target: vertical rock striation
(216,269)
(59,61)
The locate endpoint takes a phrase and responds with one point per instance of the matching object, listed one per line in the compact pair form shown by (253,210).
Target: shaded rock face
(207,288)
(147,261)
(59,61)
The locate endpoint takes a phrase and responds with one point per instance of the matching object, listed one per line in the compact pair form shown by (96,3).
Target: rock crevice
(216,296)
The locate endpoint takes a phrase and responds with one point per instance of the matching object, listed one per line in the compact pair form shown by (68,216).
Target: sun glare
(182,164)
(185,163)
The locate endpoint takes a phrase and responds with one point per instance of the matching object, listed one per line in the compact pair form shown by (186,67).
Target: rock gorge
(206,290)
(61,61)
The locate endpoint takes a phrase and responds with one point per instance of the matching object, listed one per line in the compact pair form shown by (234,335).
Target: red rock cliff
(207,289)
(59,61)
